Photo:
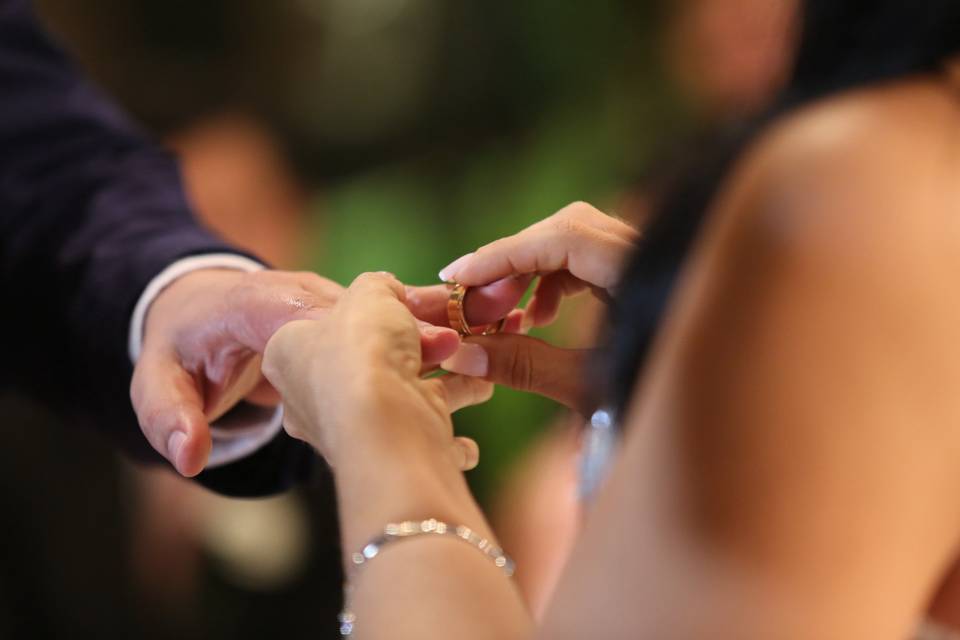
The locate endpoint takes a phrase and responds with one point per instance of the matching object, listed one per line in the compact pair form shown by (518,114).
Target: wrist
(181,295)
(172,274)
(398,480)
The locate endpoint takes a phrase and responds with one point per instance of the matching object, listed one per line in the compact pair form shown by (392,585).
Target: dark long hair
(844,44)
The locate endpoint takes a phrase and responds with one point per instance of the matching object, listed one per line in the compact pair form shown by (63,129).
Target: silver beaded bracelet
(398,531)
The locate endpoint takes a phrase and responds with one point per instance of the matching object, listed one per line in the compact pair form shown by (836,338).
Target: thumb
(170,411)
(526,364)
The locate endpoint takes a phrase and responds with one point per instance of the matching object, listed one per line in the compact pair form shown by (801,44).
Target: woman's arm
(388,437)
(577,249)
(791,464)
(427,586)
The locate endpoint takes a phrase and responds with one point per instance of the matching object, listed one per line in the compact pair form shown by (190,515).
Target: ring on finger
(458,320)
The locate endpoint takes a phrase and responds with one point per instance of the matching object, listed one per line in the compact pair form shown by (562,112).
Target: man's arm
(90,213)
(92,216)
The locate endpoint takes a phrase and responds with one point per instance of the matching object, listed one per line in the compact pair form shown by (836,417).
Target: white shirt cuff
(246,427)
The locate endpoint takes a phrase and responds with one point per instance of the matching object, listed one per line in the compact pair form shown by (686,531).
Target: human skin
(789,462)
(205,332)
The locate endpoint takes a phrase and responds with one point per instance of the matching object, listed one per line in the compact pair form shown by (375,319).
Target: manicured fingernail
(449,272)
(469,360)
(174,445)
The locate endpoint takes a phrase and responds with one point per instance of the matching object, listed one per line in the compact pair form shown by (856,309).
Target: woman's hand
(579,248)
(351,381)
(205,332)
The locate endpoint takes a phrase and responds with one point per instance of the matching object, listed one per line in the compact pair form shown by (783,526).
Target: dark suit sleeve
(90,212)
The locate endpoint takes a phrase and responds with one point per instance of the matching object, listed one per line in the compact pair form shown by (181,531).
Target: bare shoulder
(806,371)
(875,169)
(873,127)
(900,140)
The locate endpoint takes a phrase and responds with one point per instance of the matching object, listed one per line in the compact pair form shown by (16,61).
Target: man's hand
(205,332)
(202,339)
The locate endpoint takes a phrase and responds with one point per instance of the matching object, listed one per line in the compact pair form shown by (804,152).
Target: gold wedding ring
(458,321)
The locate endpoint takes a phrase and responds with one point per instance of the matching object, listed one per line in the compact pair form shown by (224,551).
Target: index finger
(591,253)
(483,305)
(383,299)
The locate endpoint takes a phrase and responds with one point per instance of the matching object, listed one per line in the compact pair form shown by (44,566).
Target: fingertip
(192,455)
(437,343)
(469,359)
(189,444)
(468,453)
(451,272)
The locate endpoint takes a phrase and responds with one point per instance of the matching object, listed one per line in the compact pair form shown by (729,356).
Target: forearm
(424,584)
(90,211)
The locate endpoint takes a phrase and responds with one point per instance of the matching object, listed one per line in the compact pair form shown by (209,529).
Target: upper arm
(790,465)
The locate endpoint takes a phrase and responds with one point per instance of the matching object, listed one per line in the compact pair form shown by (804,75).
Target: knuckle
(374,281)
(569,228)
(372,277)
(584,213)
(574,210)
(584,210)
(521,367)
(362,280)
(568,219)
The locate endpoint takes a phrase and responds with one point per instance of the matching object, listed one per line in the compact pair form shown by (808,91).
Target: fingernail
(469,360)
(174,445)
(449,272)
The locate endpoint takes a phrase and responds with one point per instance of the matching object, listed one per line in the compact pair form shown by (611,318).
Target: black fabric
(281,464)
(90,212)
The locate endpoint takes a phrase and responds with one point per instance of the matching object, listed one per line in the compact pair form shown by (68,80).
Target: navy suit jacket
(90,212)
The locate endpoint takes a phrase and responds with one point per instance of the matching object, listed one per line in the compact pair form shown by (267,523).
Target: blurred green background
(340,136)
(420,129)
